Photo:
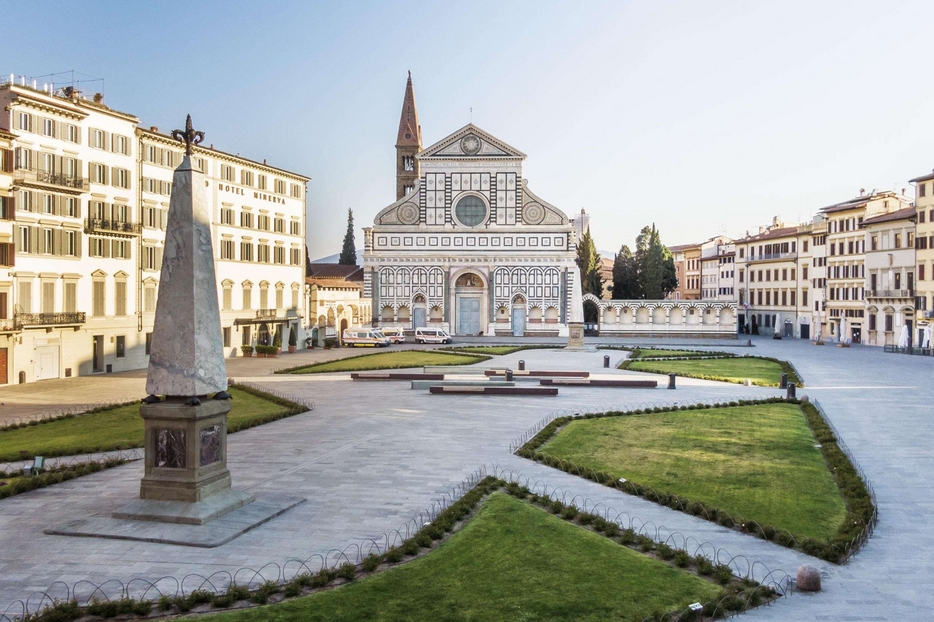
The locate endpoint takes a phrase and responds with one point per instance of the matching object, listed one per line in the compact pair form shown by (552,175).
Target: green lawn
(511,562)
(401,359)
(656,352)
(759,462)
(758,371)
(116,428)
(495,350)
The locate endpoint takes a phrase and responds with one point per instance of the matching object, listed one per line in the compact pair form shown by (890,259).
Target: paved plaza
(372,455)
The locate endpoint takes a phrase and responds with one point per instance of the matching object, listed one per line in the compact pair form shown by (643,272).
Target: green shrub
(682,559)
(347,571)
(394,555)
(722,574)
(372,562)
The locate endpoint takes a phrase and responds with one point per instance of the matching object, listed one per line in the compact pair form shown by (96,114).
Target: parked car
(432,335)
(395,335)
(366,337)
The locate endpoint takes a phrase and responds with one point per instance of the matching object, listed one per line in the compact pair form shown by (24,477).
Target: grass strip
(861,513)
(759,370)
(402,359)
(121,427)
(519,557)
(497,350)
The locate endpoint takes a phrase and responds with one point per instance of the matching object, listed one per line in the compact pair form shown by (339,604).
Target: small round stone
(808,579)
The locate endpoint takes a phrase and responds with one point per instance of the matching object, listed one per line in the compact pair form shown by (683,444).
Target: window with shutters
(280,187)
(96,247)
(120,298)
(261,182)
(97,210)
(227,216)
(246,251)
(247,297)
(24,300)
(262,222)
(121,144)
(279,225)
(150,217)
(168,158)
(96,138)
(70,133)
(121,213)
(226,333)
(279,255)
(23,159)
(97,173)
(295,227)
(70,207)
(246,219)
(149,258)
(25,239)
(262,253)
(246,178)
(121,249)
(149,299)
(227,249)
(296,191)
(48,297)
(24,122)
(48,127)
(227,298)
(120,349)
(280,298)
(7,254)
(121,177)
(227,172)
(48,203)
(296,257)
(47,245)
(263,296)
(295,292)
(203,165)
(71,167)
(98,300)
(70,303)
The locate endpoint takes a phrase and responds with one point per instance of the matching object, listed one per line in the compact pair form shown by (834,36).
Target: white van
(367,337)
(395,335)
(432,335)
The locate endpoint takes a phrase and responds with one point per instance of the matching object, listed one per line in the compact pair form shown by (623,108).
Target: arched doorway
(518,316)
(262,337)
(419,312)
(343,327)
(469,291)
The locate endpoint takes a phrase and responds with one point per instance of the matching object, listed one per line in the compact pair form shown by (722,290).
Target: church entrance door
(418,317)
(518,321)
(468,315)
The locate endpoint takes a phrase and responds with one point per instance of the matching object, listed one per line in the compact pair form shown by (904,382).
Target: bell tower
(408,143)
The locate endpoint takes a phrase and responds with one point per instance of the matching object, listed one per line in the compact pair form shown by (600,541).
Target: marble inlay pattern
(187,349)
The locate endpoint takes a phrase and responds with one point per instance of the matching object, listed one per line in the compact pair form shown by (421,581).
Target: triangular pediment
(470,142)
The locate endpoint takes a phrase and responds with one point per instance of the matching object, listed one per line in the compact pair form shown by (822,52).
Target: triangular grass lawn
(734,369)
(400,359)
(760,462)
(512,561)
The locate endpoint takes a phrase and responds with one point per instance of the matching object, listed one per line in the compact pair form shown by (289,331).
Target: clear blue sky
(704,117)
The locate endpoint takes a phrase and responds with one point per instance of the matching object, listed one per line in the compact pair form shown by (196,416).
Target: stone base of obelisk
(575,336)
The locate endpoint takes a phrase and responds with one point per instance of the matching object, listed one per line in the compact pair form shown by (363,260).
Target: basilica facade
(467,246)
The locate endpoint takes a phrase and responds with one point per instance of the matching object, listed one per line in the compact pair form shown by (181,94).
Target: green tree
(307,262)
(625,276)
(349,251)
(588,262)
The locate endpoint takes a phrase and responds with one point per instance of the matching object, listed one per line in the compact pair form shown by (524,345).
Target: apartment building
(924,252)
(692,273)
(80,289)
(846,269)
(890,276)
(677,255)
(726,267)
(710,262)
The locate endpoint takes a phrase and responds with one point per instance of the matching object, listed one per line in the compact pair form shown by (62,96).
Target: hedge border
(740,594)
(54,476)
(786,367)
(694,353)
(294,408)
(465,349)
(295,370)
(861,511)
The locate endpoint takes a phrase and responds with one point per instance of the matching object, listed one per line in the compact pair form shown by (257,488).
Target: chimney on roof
(98,98)
(153,128)
(862,191)
(761,230)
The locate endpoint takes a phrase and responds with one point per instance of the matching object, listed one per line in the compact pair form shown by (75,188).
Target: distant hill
(333,259)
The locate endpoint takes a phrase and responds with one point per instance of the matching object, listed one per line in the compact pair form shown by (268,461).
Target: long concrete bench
(427,384)
(457,369)
(538,374)
(593,382)
(497,390)
(390,375)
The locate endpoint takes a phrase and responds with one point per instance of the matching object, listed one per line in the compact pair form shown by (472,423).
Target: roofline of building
(71,104)
(907,213)
(927,177)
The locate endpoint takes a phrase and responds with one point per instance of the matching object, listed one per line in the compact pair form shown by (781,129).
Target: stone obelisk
(186,478)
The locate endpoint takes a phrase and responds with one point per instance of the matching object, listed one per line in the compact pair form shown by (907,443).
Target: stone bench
(539,374)
(494,390)
(395,376)
(427,384)
(458,369)
(593,382)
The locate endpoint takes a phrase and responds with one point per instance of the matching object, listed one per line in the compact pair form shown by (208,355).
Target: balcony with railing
(25,320)
(772,257)
(51,178)
(890,293)
(112,227)
(266,314)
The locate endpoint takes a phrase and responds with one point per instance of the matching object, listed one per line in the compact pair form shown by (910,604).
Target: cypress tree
(349,251)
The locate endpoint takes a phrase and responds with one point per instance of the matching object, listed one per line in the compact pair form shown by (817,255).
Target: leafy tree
(588,262)
(349,251)
(626,276)
(307,262)
(649,273)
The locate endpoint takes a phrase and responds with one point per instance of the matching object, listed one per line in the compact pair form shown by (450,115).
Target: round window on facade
(470,211)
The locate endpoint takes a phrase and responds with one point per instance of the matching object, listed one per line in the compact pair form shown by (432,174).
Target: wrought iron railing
(48,319)
(266,313)
(113,226)
(892,293)
(771,257)
(55,179)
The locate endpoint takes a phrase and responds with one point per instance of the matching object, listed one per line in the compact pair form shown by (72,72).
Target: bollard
(606,360)
(671,381)
(521,365)
(790,394)
(749,343)
(508,375)
(783,384)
